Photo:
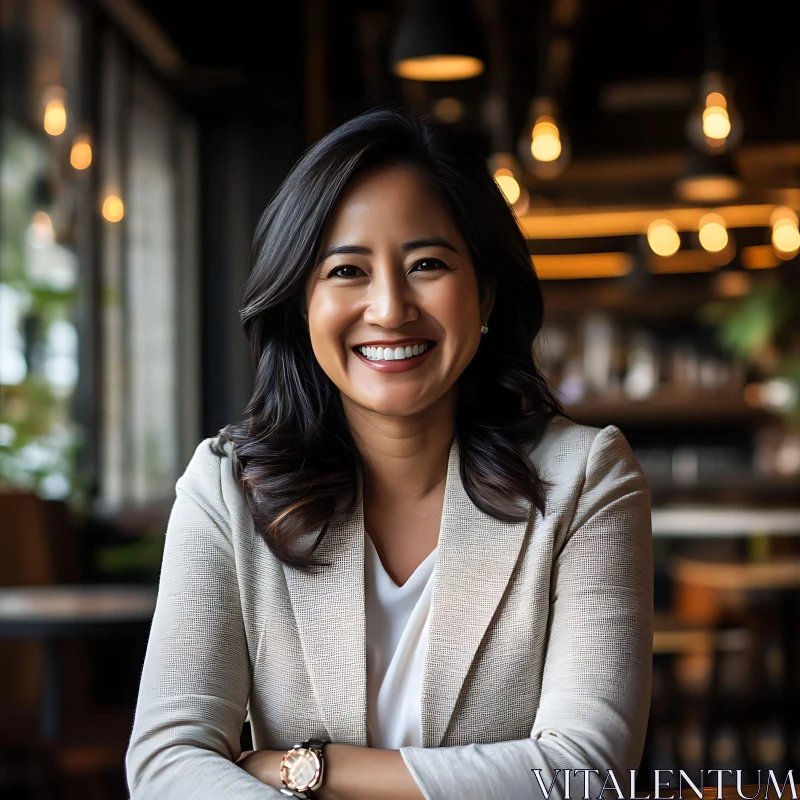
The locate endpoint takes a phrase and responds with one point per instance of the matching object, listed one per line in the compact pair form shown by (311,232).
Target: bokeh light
(113,208)
(713,234)
(81,154)
(663,238)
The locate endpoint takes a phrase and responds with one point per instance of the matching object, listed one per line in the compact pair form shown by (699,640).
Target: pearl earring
(484,328)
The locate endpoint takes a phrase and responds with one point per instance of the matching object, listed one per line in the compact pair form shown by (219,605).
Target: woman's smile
(390,357)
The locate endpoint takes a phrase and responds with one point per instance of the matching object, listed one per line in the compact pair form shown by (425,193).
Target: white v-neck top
(397,638)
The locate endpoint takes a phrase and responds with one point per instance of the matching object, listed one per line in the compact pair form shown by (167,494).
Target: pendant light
(714,124)
(712,233)
(437,40)
(543,146)
(785,233)
(502,163)
(55,111)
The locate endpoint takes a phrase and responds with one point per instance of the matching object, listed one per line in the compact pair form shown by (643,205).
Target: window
(149,286)
(99,296)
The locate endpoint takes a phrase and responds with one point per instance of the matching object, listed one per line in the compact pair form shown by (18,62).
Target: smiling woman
(418,576)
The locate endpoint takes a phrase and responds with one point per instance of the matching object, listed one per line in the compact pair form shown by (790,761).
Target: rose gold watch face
(300,769)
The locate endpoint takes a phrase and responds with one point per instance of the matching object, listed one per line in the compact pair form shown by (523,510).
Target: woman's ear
(488,290)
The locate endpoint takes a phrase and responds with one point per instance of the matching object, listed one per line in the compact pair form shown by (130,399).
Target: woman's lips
(400,365)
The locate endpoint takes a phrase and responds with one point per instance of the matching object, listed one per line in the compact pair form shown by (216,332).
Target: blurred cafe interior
(651,152)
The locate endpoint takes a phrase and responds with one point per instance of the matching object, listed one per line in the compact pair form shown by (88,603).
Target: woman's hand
(264,765)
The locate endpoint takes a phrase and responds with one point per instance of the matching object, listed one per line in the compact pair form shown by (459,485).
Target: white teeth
(393,353)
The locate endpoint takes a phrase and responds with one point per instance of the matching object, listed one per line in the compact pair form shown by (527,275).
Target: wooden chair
(767,593)
(25,560)
(674,703)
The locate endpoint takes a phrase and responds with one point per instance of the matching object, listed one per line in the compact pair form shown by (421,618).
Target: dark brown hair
(294,454)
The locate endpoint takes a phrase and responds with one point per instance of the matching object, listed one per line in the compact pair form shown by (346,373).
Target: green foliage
(40,438)
(748,325)
(762,330)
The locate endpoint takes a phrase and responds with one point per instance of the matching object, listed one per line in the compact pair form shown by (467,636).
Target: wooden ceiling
(628,69)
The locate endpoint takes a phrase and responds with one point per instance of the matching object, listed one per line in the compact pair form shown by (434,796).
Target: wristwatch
(302,769)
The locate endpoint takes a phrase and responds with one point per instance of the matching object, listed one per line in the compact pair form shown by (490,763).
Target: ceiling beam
(146,34)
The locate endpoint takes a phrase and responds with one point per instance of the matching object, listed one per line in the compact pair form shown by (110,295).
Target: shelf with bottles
(607,371)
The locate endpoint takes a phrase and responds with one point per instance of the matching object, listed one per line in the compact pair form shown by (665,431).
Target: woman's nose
(391,302)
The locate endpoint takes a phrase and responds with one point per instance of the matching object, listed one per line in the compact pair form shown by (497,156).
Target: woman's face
(393,305)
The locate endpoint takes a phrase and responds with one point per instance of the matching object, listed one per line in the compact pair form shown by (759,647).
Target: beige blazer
(539,650)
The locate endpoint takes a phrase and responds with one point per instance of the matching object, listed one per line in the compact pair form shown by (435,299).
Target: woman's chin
(397,405)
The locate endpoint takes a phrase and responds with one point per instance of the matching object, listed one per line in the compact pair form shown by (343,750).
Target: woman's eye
(428,264)
(341,272)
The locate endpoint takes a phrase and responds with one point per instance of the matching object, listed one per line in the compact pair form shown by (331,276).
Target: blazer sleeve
(596,682)
(196,678)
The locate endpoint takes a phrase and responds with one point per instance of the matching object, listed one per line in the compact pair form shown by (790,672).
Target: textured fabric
(539,637)
(397,639)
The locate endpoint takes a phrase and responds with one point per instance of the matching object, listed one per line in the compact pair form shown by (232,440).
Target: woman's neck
(405,458)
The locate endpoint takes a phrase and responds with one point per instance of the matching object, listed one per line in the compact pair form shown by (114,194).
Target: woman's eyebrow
(355,249)
(344,249)
(434,241)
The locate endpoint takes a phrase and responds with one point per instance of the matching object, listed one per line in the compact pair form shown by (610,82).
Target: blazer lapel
(476,556)
(329,609)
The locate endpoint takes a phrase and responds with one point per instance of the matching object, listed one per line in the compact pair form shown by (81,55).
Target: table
(52,613)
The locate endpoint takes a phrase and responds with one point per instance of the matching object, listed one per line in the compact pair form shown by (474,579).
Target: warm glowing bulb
(81,154)
(663,238)
(508,185)
(545,126)
(716,99)
(785,237)
(545,140)
(785,234)
(439,68)
(113,209)
(546,148)
(783,214)
(55,117)
(713,233)
(716,122)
